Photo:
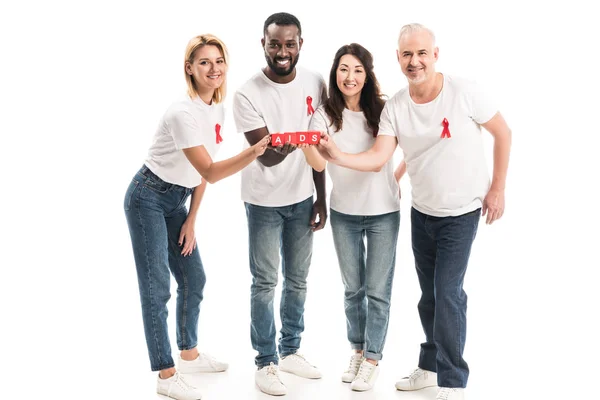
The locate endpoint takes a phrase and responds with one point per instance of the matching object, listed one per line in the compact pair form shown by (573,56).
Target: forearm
(400,171)
(314,159)
(502,146)
(368,161)
(319,180)
(197,196)
(271,158)
(222,169)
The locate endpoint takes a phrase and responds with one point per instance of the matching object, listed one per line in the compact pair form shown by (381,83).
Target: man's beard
(277,69)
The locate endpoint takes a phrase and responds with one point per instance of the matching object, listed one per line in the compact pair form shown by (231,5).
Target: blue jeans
(155,212)
(442,246)
(367,274)
(271,231)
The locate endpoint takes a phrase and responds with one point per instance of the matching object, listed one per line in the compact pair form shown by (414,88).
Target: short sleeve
(386,124)
(319,122)
(482,107)
(185,130)
(245,115)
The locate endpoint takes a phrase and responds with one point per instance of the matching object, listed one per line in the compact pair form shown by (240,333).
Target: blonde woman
(179,164)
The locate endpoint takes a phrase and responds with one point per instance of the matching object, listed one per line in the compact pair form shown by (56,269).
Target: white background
(82,88)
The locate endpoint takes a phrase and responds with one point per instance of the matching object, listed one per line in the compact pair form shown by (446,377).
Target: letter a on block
(277,139)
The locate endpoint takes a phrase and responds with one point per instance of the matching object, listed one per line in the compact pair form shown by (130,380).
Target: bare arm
(493,203)
(400,171)
(320,205)
(215,171)
(313,158)
(197,196)
(371,160)
(272,156)
(187,234)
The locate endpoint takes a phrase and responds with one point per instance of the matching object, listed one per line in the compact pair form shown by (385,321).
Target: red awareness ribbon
(446,131)
(310,110)
(218,131)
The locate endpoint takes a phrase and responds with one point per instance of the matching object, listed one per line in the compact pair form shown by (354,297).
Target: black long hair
(371,100)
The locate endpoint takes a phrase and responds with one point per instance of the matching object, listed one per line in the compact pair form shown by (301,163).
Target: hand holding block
(279,139)
(309,137)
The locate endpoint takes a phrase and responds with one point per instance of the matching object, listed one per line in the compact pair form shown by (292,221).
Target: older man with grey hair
(437,122)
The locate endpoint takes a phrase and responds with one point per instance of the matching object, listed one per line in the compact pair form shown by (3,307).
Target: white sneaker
(445,393)
(297,365)
(176,387)
(418,379)
(366,377)
(268,381)
(204,363)
(352,370)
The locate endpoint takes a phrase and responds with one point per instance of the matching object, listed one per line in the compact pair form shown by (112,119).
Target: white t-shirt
(356,192)
(281,108)
(187,123)
(449,176)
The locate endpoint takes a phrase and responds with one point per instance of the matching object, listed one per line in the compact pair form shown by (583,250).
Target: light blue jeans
(271,231)
(367,272)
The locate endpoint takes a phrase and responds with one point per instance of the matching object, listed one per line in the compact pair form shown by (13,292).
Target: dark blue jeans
(273,231)
(442,247)
(155,212)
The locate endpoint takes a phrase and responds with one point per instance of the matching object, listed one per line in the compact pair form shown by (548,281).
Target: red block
(310,137)
(279,139)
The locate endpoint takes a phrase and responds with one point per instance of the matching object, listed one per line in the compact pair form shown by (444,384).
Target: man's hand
(284,149)
(319,209)
(493,205)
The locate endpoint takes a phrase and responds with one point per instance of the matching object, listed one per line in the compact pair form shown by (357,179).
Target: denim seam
(183,321)
(152,306)
(132,194)
(361,256)
(284,278)
(179,205)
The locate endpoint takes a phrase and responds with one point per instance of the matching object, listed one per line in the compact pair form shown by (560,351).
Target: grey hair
(414,27)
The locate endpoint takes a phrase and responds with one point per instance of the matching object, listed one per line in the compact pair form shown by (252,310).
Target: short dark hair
(280,19)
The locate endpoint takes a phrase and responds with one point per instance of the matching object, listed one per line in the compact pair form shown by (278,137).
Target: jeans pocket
(129,194)
(157,186)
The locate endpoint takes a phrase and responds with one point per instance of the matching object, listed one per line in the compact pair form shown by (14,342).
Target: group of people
(436,121)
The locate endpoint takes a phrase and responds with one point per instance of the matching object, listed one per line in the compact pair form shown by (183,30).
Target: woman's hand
(187,237)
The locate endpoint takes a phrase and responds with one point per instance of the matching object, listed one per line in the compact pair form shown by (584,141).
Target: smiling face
(282,44)
(208,68)
(417,56)
(350,76)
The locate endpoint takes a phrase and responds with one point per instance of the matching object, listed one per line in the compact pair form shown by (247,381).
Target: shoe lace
(273,372)
(415,374)
(443,393)
(211,360)
(365,370)
(354,364)
(299,358)
(182,383)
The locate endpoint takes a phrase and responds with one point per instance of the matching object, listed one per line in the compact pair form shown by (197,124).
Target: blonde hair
(190,52)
